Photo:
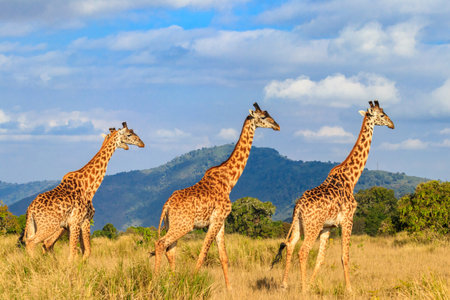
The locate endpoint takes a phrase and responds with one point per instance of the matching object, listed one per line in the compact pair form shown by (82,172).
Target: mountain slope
(13,192)
(137,197)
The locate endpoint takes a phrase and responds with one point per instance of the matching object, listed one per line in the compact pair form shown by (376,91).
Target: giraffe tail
(163,217)
(279,256)
(30,228)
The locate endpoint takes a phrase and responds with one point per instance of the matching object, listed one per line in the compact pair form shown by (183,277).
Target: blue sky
(183,74)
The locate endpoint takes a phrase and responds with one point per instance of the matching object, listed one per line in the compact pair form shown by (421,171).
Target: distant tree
(427,209)
(108,231)
(251,217)
(8,222)
(376,212)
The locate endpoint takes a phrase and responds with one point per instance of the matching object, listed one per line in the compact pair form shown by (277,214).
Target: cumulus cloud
(335,90)
(4,117)
(56,125)
(330,134)
(228,134)
(440,99)
(409,144)
(372,39)
(443,131)
(17,21)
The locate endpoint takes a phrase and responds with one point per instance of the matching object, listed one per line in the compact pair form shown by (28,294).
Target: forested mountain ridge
(136,197)
(13,192)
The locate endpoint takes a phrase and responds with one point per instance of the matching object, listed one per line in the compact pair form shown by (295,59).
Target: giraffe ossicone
(207,203)
(331,204)
(69,205)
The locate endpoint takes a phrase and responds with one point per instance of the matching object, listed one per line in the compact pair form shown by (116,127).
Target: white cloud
(445,131)
(335,90)
(171,133)
(46,124)
(4,117)
(440,99)
(48,138)
(409,144)
(17,47)
(371,39)
(445,143)
(228,134)
(260,45)
(331,134)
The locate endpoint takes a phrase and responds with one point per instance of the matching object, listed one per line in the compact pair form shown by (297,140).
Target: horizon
(183,75)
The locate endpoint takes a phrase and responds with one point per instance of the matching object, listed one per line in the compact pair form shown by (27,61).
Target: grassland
(381,268)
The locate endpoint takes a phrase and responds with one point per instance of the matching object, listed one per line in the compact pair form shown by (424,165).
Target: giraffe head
(263,119)
(377,115)
(127,137)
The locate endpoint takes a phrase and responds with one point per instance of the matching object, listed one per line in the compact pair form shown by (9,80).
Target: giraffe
(331,203)
(207,203)
(69,205)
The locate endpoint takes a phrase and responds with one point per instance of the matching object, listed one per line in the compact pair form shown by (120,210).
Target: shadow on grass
(266,283)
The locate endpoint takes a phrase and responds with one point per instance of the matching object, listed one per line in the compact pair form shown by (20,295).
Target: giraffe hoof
(284,285)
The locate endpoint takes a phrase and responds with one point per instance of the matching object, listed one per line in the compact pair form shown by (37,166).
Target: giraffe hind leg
(175,232)
(170,254)
(50,241)
(290,245)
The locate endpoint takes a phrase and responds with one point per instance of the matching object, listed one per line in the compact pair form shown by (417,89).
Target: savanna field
(396,267)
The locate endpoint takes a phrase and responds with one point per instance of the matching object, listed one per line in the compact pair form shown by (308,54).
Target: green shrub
(427,209)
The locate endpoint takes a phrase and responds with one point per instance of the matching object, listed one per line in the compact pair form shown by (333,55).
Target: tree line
(379,212)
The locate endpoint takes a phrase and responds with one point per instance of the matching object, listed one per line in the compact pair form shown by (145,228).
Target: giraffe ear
(103,135)
(362,113)
(251,112)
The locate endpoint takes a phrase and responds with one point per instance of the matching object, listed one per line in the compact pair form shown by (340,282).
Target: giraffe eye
(382,115)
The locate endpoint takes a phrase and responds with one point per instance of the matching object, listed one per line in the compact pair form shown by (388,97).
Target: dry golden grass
(381,268)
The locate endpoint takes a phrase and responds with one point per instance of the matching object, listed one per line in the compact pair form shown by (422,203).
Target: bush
(427,209)
(108,231)
(376,212)
(251,217)
(8,222)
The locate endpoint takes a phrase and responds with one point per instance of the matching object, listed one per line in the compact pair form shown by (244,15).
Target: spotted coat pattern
(332,203)
(207,203)
(69,205)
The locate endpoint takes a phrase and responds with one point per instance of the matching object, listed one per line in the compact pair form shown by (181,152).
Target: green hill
(136,197)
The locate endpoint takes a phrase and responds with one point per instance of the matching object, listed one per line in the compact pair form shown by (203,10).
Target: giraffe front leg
(220,240)
(346,232)
(295,236)
(74,231)
(85,241)
(324,235)
(213,230)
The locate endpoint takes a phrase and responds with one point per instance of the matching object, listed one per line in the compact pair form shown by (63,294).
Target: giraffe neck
(94,171)
(235,164)
(353,165)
